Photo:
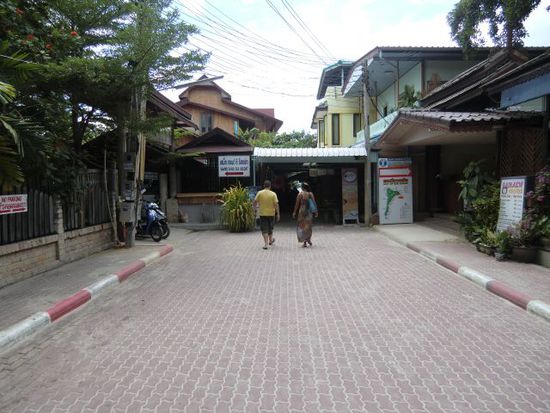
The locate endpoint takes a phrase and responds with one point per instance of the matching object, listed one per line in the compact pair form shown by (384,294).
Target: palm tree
(14,128)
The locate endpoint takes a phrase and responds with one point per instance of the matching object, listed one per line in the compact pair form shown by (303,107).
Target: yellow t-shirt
(267,200)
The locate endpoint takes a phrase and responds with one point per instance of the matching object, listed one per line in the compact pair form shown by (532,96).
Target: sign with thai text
(512,201)
(395,196)
(232,166)
(13,204)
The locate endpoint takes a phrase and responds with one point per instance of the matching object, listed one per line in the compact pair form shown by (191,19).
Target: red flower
(48,46)
(73,33)
(19,11)
(30,37)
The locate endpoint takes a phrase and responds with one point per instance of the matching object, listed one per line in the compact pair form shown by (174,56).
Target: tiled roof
(465,117)
(308,152)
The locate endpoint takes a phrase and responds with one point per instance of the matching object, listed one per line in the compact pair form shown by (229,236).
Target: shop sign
(350,204)
(13,204)
(395,197)
(512,201)
(233,166)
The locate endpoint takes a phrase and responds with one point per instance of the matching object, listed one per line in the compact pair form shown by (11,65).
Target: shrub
(237,211)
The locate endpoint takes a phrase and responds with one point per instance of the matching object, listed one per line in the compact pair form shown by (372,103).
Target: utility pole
(368,174)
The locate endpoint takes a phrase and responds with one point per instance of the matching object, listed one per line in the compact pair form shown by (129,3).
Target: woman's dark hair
(306,187)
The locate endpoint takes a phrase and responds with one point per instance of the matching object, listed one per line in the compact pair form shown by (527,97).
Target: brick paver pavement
(356,323)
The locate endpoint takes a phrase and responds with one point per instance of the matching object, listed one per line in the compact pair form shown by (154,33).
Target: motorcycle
(162,219)
(149,224)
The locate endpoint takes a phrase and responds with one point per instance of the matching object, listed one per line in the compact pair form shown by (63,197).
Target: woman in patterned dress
(304,215)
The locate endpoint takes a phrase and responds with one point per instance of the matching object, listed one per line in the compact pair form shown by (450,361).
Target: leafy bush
(486,205)
(237,211)
(475,179)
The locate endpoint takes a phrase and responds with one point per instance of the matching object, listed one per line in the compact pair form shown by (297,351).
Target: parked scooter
(162,219)
(149,224)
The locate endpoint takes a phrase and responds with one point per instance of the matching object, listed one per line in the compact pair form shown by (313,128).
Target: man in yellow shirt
(268,204)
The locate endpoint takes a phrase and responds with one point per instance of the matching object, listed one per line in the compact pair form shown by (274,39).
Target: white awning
(310,155)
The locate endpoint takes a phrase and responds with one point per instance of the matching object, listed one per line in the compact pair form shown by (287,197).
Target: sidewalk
(526,285)
(62,289)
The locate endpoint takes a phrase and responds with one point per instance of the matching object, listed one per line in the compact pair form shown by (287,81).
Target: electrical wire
(291,27)
(297,17)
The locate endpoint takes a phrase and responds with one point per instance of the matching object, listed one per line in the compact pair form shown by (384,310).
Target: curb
(496,287)
(41,320)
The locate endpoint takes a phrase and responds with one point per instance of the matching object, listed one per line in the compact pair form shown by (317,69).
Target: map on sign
(391,194)
(395,190)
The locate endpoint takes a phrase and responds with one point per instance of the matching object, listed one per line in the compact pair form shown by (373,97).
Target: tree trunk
(509,35)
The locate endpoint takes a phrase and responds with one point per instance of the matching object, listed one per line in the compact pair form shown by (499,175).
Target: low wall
(24,259)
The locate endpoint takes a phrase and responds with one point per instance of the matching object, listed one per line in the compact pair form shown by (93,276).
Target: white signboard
(13,204)
(512,198)
(231,166)
(350,205)
(395,199)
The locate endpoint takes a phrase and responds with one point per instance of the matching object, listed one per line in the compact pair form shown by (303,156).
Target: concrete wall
(24,259)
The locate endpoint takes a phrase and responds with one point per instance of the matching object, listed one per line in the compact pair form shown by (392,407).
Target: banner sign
(512,201)
(395,197)
(13,204)
(231,166)
(350,203)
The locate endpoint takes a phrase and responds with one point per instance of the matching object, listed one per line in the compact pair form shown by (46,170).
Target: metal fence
(90,208)
(38,221)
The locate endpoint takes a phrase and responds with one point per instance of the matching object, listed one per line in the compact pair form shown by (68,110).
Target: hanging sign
(13,204)
(350,205)
(512,201)
(395,190)
(231,166)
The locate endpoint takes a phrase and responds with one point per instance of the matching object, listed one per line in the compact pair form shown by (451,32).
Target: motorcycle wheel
(156,231)
(165,230)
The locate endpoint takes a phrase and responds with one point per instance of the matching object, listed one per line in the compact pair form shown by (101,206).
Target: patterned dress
(304,217)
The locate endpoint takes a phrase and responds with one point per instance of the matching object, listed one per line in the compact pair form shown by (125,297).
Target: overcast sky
(272,52)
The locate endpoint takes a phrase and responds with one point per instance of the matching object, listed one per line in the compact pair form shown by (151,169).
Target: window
(206,121)
(321,135)
(356,123)
(336,129)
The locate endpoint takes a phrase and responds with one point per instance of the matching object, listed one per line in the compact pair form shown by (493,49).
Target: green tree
(17,134)
(505,18)
(409,97)
(294,139)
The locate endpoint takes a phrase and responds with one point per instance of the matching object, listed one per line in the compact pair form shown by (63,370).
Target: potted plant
(485,243)
(237,210)
(525,237)
(502,245)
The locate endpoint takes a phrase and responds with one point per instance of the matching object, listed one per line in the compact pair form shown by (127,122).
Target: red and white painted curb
(40,320)
(496,287)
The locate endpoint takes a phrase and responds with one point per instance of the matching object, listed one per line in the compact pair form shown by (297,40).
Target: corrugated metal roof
(466,117)
(308,152)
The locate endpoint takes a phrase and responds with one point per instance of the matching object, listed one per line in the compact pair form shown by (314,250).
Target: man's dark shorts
(266,224)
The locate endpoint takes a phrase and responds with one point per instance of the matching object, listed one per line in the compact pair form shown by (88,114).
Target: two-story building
(211,107)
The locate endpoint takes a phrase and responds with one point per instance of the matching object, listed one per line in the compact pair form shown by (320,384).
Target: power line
(256,36)
(306,28)
(218,27)
(291,27)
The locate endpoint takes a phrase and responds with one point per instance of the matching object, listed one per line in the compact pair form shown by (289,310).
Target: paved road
(356,323)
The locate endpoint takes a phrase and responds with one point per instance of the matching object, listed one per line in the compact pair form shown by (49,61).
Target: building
(211,107)
(462,121)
